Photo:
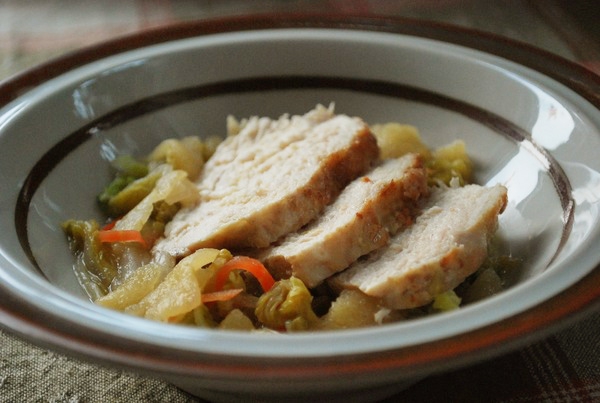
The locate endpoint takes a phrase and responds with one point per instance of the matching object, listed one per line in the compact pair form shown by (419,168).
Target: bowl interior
(521,128)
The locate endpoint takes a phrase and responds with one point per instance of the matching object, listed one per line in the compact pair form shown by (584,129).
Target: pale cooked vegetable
(236,320)
(210,145)
(486,284)
(139,284)
(135,191)
(287,306)
(92,257)
(126,165)
(181,290)
(354,309)
(446,301)
(444,164)
(172,187)
(186,154)
(451,161)
(351,309)
(396,140)
(127,170)
(201,317)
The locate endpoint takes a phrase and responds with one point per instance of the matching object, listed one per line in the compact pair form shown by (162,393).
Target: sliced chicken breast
(270,179)
(361,219)
(447,243)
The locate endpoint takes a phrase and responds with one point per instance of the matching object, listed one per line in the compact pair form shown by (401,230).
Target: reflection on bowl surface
(532,129)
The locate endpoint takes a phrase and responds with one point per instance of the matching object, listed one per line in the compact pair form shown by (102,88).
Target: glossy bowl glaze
(531,121)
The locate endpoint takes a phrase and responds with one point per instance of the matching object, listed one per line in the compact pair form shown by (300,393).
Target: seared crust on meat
(447,243)
(362,218)
(270,179)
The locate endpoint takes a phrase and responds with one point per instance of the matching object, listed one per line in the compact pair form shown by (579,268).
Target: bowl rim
(437,355)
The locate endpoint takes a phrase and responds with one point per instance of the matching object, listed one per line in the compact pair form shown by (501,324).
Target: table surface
(563,367)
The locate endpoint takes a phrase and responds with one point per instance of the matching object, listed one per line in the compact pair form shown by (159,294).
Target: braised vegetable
(236,320)
(446,301)
(214,289)
(111,235)
(287,306)
(186,154)
(181,290)
(492,277)
(351,309)
(224,295)
(139,284)
(444,164)
(97,269)
(171,187)
(248,264)
(128,170)
(129,196)
(450,162)
(396,140)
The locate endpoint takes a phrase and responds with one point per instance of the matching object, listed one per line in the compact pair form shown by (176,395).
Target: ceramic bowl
(531,121)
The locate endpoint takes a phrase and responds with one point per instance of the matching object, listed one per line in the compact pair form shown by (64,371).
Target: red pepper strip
(121,236)
(109,225)
(248,264)
(224,295)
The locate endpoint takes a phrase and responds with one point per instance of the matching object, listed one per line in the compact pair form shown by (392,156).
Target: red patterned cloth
(564,367)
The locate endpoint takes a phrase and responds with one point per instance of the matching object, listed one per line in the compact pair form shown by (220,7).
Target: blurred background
(32,31)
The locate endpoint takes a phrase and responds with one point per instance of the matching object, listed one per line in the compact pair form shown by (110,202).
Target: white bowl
(530,121)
